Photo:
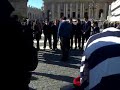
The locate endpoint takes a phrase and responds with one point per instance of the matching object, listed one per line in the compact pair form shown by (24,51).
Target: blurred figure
(55,30)
(72,33)
(38,32)
(105,25)
(86,30)
(118,27)
(78,34)
(47,34)
(64,32)
(96,29)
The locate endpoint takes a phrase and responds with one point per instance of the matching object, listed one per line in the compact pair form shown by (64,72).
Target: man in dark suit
(78,34)
(64,32)
(86,30)
(47,34)
(38,30)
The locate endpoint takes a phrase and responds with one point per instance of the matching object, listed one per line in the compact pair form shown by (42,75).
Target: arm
(58,30)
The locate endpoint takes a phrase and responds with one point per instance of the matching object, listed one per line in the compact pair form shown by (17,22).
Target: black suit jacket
(86,27)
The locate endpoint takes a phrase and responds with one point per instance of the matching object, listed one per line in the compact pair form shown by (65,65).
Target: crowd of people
(76,32)
(68,31)
(107,24)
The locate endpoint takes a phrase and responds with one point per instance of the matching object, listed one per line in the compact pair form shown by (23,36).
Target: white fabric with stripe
(105,30)
(108,67)
(100,42)
(82,67)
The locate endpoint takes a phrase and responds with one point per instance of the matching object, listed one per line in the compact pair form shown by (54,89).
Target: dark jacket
(86,27)
(78,29)
(47,30)
(96,30)
(65,29)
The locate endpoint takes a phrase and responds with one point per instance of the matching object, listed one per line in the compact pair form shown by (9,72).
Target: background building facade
(55,9)
(34,13)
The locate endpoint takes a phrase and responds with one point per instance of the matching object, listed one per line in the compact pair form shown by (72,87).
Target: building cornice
(97,1)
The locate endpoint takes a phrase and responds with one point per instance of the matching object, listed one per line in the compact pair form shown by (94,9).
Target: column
(71,10)
(105,10)
(66,10)
(76,10)
(89,11)
(53,11)
(96,13)
(58,11)
(109,11)
(81,11)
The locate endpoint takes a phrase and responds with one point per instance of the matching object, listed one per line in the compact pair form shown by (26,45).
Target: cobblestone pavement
(52,73)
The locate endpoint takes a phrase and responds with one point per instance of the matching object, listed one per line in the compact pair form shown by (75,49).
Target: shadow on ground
(54,57)
(32,89)
(34,78)
(56,77)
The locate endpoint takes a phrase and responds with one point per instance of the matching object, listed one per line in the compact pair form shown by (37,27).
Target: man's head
(95,24)
(86,18)
(64,18)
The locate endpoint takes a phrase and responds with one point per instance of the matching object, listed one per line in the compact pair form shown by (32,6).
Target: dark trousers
(77,40)
(47,37)
(54,41)
(71,41)
(65,47)
(83,40)
(38,37)
(38,44)
(85,37)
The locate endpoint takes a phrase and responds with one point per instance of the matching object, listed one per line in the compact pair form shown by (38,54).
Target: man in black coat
(86,30)
(54,32)
(78,34)
(38,32)
(47,31)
